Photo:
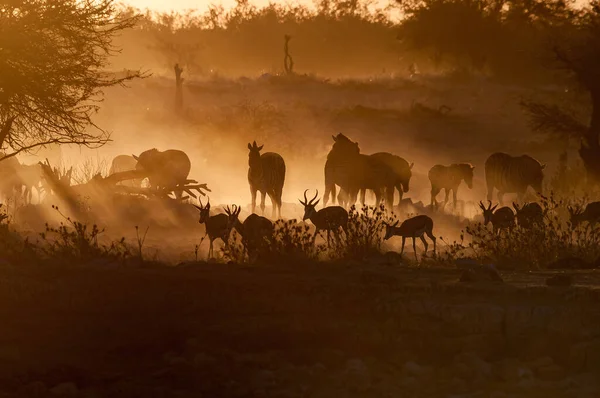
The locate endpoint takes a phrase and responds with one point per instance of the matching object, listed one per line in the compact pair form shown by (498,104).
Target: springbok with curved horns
(217,226)
(414,227)
(330,219)
(503,218)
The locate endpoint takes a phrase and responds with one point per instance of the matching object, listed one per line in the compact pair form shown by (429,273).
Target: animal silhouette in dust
(166,169)
(591,214)
(266,174)
(501,219)
(329,219)
(217,226)
(353,171)
(414,227)
(122,163)
(449,178)
(9,179)
(256,232)
(30,177)
(512,174)
(530,215)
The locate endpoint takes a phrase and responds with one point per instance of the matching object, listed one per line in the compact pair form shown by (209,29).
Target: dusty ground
(314,331)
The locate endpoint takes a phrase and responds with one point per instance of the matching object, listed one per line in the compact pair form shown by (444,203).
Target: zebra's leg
(400,193)
(447,193)
(273,204)
(263,196)
(253,193)
(454,196)
(434,193)
(389,199)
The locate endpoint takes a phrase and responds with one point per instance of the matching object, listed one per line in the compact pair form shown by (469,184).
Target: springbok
(591,214)
(217,226)
(503,218)
(529,215)
(256,231)
(414,227)
(330,219)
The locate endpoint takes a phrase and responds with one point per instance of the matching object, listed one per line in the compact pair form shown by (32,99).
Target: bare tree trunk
(178,88)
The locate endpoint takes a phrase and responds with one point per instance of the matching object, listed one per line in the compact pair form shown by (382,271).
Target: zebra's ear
(135,157)
(260,147)
(333,136)
(543,166)
(411,165)
(249,146)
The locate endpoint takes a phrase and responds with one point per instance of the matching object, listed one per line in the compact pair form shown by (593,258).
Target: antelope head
(233,215)
(389,229)
(487,212)
(204,211)
(309,206)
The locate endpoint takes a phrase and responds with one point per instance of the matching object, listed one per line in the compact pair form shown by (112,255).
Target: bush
(534,248)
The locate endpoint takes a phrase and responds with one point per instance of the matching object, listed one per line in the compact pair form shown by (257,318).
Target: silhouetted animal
(330,219)
(413,228)
(125,163)
(401,168)
(591,214)
(449,178)
(266,174)
(353,171)
(217,226)
(256,232)
(529,215)
(9,180)
(30,177)
(512,174)
(166,169)
(503,218)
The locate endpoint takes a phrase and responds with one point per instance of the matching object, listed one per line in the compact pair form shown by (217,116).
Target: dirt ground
(316,331)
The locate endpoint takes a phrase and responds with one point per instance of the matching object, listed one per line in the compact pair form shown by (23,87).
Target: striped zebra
(353,171)
(401,168)
(267,175)
(512,174)
(449,178)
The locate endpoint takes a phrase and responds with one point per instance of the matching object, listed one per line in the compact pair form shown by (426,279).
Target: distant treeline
(505,38)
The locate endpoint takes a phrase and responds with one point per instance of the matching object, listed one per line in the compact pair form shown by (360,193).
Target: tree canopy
(53,67)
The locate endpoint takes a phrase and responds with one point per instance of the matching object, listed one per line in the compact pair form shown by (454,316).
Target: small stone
(65,390)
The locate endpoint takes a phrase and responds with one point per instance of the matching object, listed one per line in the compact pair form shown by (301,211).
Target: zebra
(125,163)
(353,171)
(401,168)
(512,174)
(266,174)
(166,169)
(449,178)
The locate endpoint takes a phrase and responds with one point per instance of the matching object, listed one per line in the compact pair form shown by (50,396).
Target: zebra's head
(467,174)
(204,211)
(487,212)
(254,155)
(345,145)
(309,206)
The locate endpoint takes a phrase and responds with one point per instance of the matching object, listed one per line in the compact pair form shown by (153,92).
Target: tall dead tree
(178,87)
(288,61)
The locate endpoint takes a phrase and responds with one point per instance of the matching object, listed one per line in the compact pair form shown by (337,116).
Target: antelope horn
(305,198)
(313,199)
(489,204)
(197,207)
(200,200)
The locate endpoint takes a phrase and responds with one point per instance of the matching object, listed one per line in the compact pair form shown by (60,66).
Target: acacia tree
(53,68)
